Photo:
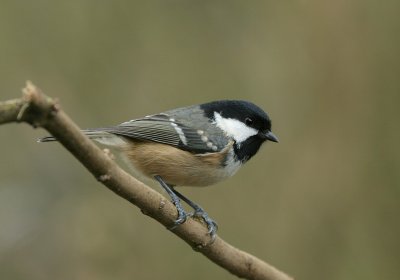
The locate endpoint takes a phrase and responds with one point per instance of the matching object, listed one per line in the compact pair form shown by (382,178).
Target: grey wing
(167,130)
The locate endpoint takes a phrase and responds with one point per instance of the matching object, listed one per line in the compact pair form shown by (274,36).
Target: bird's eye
(248,121)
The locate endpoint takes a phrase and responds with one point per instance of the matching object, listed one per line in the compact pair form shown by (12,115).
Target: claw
(182,216)
(211,224)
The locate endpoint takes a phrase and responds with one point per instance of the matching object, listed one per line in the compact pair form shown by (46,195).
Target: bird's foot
(211,224)
(182,215)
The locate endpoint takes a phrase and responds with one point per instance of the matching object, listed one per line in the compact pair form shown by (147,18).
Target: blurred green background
(321,204)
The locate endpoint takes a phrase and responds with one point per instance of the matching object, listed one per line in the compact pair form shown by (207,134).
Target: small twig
(41,111)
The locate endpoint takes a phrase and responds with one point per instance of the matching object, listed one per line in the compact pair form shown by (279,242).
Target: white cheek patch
(234,128)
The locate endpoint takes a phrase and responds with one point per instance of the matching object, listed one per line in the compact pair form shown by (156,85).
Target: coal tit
(191,146)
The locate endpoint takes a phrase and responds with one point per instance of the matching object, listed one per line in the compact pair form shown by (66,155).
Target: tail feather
(98,135)
(46,139)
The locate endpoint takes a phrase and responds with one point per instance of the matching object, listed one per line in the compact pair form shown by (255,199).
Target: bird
(198,145)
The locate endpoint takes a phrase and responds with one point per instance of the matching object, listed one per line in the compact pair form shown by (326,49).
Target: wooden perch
(39,110)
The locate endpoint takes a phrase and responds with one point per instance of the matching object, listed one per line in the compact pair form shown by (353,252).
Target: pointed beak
(271,137)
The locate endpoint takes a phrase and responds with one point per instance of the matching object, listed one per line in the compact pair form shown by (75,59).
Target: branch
(41,111)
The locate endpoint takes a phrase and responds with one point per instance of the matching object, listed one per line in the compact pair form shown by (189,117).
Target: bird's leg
(182,216)
(199,212)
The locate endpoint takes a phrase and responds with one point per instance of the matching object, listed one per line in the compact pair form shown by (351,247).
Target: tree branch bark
(39,110)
